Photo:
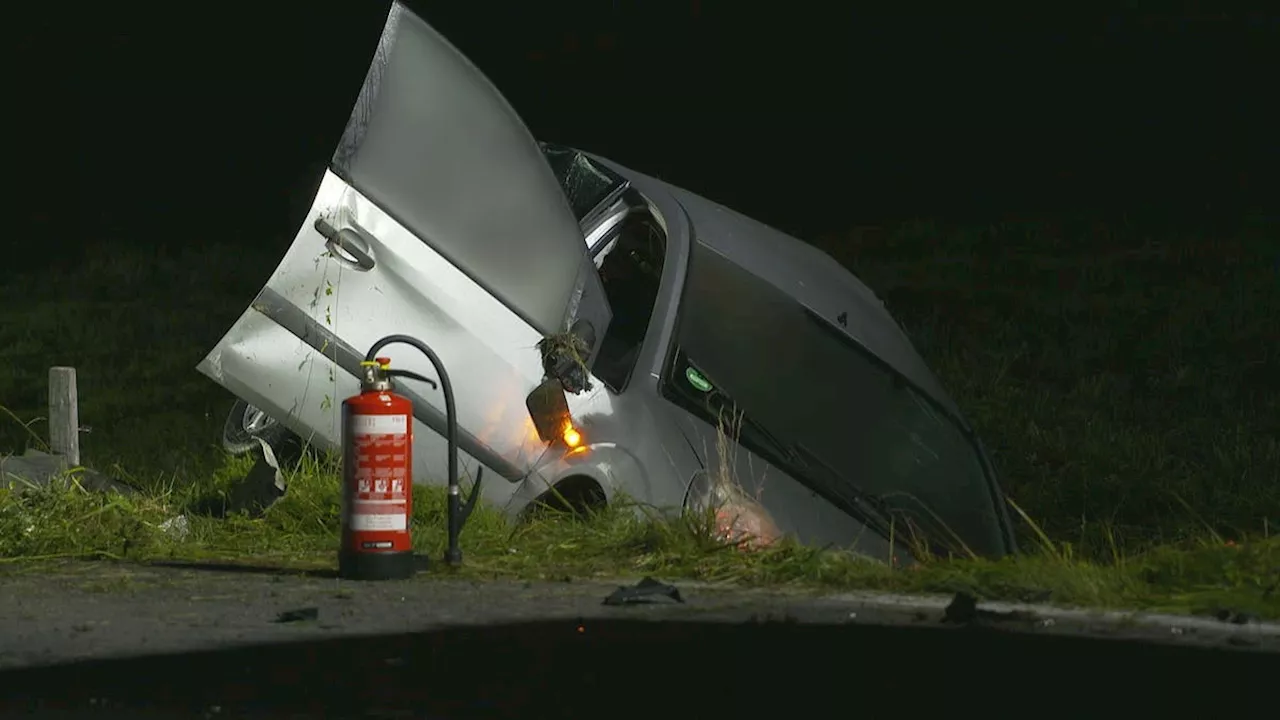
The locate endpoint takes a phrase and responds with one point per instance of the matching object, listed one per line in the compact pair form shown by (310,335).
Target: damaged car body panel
(765,318)
(633,445)
(434,145)
(744,349)
(442,218)
(427,223)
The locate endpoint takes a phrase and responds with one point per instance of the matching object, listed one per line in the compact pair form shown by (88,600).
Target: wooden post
(64,414)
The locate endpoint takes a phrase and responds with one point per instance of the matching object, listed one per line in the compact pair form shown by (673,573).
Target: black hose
(413,376)
(458,511)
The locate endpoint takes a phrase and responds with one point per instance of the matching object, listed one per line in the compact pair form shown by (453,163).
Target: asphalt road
(91,634)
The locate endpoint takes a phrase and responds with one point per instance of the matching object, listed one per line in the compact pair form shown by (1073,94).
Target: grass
(1124,378)
(299,532)
(150,416)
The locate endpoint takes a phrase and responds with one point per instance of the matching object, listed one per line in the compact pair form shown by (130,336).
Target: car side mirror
(567,357)
(549,410)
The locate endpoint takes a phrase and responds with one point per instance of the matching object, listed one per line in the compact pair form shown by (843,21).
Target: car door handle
(349,246)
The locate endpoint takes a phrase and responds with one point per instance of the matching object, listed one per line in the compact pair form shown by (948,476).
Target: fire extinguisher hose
(459,511)
(413,376)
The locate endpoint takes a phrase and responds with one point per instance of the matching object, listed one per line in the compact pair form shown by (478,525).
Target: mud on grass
(300,531)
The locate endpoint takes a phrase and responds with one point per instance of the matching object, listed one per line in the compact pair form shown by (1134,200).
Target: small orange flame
(572,437)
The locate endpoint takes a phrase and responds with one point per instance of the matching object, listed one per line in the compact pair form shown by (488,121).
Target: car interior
(631,269)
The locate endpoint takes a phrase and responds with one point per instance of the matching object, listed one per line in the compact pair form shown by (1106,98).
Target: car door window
(631,266)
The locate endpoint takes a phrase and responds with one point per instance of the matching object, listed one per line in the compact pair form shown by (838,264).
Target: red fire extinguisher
(377,482)
(377,471)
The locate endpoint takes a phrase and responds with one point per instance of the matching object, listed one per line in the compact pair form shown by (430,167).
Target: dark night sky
(223,115)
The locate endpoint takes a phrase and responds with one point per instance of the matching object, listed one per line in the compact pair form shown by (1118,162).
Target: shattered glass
(586,185)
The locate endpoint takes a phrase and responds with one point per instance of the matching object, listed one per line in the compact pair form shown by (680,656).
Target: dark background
(211,122)
(1090,277)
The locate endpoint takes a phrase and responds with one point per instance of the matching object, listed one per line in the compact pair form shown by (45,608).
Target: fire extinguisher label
(368,425)
(373,518)
(380,446)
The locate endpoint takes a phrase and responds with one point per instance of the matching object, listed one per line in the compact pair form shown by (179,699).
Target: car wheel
(246,424)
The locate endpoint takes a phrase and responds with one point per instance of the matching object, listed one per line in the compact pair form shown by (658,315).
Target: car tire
(245,425)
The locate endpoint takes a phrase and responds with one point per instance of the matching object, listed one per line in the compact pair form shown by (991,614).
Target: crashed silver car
(731,367)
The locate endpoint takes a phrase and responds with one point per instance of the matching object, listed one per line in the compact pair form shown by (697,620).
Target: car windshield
(821,408)
(586,184)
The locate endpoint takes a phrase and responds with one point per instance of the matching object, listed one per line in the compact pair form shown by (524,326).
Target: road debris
(963,610)
(643,592)
(38,469)
(1234,617)
(176,527)
(300,615)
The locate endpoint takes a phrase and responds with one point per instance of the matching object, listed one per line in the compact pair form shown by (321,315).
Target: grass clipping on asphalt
(300,532)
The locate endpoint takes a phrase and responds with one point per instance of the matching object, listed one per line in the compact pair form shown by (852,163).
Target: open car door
(440,218)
